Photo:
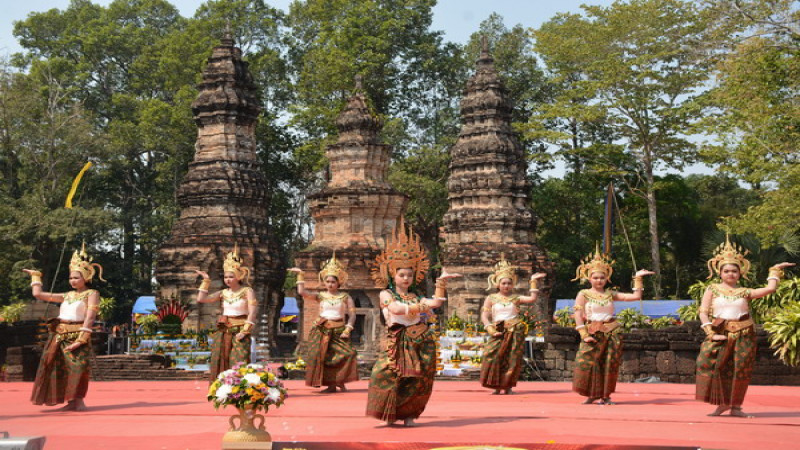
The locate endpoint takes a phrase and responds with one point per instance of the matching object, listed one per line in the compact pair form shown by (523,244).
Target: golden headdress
(233,263)
(598,263)
(403,251)
(728,253)
(333,268)
(82,262)
(503,269)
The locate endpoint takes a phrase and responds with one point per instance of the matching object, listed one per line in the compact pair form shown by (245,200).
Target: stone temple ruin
(353,214)
(488,213)
(223,198)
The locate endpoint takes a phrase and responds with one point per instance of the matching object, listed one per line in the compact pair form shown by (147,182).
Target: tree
(635,65)
(752,114)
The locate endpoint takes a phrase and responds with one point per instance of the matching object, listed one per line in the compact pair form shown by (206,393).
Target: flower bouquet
(249,388)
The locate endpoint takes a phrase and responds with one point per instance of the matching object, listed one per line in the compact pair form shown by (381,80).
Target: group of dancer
(402,378)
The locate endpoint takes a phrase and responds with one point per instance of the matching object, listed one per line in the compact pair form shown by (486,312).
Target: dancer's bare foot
(70,406)
(329,390)
(496,392)
(342,388)
(736,411)
(590,400)
(720,409)
(607,401)
(79,404)
(390,422)
(409,422)
(508,391)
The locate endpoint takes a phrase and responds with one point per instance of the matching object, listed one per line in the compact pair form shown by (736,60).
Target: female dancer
(727,355)
(402,378)
(63,373)
(330,357)
(599,355)
(231,341)
(502,357)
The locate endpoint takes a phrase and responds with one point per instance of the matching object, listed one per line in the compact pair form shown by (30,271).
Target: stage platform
(174,415)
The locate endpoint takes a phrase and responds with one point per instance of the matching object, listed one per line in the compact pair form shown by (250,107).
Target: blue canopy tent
(144,305)
(290,311)
(652,308)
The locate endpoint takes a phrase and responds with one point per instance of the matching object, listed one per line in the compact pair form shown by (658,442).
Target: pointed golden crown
(728,253)
(503,269)
(596,262)
(233,263)
(82,262)
(333,268)
(403,251)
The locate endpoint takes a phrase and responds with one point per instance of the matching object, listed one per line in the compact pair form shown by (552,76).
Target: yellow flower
(235,389)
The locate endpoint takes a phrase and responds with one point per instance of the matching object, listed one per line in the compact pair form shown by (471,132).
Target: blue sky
(457,18)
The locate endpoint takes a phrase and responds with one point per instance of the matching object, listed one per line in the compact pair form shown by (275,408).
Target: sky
(457,18)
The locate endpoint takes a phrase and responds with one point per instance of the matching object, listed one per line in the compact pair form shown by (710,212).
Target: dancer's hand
(719,337)
(589,340)
(202,274)
(241,336)
(295,270)
(447,276)
(74,346)
(643,272)
(776,266)
(538,276)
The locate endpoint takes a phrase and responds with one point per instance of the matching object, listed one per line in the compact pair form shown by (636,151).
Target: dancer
(502,356)
(727,355)
(599,355)
(63,373)
(402,378)
(330,357)
(231,341)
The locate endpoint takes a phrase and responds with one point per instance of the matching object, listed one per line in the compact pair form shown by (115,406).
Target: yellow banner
(75,184)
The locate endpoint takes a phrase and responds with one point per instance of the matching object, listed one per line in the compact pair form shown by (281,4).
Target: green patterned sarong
(62,376)
(597,365)
(724,368)
(502,358)
(402,377)
(226,350)
(330,359)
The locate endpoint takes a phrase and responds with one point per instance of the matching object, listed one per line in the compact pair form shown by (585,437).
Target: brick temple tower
(223,198)
(353,214)
(488,197)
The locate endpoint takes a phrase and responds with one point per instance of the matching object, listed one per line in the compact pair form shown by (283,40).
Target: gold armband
(205,284)
(578,307)
(491,329)
(707,328)
(247,327)
(581,329)
(84,337)
(534,284)
(441,288)
(36,277)
(775,272)
(638,284)
(301,278)
(95,308)
(347,329)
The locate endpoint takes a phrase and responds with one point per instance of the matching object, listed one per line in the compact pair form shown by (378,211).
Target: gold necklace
(598,298)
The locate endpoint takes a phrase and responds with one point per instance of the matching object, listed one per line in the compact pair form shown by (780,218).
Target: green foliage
(106,308)
(784,334)
(563,317)
(149,323)
(455,323)
(13,312)
(662,322)
(630,318)
(689,312)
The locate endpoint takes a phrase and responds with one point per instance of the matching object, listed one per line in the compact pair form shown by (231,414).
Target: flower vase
(247,435)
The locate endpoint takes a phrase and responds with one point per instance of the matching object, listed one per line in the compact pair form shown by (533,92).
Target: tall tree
(753,114)
(636,64)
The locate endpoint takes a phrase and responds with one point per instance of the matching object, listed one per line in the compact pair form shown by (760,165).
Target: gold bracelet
(247,327)
(491,329)
(36,277)
(84,337)
(583,332)
(638,284)
(534,284)
(707,328)
(775,272)
(205,284)
(577,307)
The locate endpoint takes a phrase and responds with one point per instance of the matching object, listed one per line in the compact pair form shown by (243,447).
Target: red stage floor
(174,415)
